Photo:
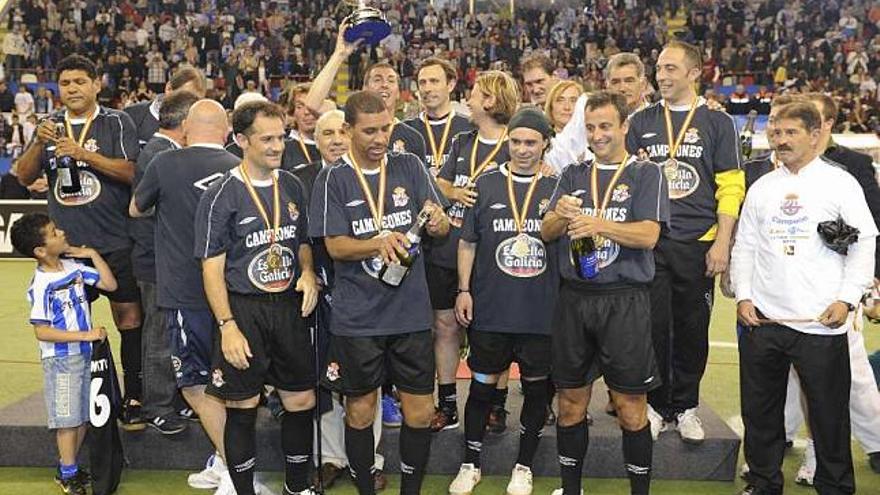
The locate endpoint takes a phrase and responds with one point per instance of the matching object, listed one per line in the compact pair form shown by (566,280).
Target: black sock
(532,417)
(447,395)
(130,347)
(571,444)
(476,415)
(240,441)
(415,446)
(500,397)
(296,441)
(359,449)
(638,448)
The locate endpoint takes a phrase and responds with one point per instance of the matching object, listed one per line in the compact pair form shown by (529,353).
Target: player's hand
(343,47)
(464,309)
(95,334)
(747,314)
(308,285)
(712,104)
(835,315)
(80,252)
(67,147)
(585,226)
(717,258)
(436,217)
(391,245)
(568,207)
(45,132)
(465,195)
(547,170)
(726,285)
(236,349)
(40,185)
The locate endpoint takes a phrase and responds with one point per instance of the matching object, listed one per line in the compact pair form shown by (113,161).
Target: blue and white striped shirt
(58,299)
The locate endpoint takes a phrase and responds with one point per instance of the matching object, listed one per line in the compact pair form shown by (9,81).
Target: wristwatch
(849,306)
(224,321)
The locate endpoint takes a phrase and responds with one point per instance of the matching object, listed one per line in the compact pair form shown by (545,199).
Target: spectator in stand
(43,101)
(7,100)
(739,102)
(24,101)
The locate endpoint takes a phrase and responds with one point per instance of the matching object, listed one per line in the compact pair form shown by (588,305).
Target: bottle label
(394,273)
(588,265)
(64,177)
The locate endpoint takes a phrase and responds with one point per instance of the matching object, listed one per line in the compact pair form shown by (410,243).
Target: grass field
(19,365)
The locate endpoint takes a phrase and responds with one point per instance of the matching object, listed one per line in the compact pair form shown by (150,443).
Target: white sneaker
(690,427)
(208,478)
(558,491)
(467,478)
(520,481)
(807,471)
(744,471)
(261,489)
(225,487)
(656,422)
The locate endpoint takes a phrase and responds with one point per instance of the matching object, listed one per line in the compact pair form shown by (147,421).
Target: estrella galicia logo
(522,256)
(272,270)
(90,190)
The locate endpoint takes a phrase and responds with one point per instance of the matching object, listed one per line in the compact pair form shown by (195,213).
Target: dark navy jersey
(143,256)
(362,304)
(406,139)
(228,221)
(308,173)
(145,116)
(96,216)
(298,151)
(457,170)
(514,279)
(755,169)
(710,145)
(437,128)
(173,184)
(639,194)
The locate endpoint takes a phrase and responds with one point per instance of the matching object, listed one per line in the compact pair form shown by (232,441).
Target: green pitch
(19,364)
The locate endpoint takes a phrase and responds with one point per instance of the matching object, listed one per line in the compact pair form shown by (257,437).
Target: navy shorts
(191,333)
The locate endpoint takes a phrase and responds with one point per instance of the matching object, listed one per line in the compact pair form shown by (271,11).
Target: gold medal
(670,168)
(273,258)
(521,246)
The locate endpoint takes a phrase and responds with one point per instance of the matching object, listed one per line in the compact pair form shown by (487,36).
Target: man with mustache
(700,153)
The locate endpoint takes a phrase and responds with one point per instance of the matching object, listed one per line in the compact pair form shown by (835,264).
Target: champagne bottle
(66,168)
(585,258)
(393,274)
(746,136)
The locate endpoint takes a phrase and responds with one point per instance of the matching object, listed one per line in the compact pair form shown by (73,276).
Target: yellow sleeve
(730,192)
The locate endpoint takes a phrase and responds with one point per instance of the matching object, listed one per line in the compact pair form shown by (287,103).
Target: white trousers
(333,436)
(864,400)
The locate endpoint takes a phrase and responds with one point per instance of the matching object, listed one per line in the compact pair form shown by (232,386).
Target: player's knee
(536,389)
(297,401)
(445,325)
(632,413)
(418,410)
(572,407)
(126,315)
(360,412)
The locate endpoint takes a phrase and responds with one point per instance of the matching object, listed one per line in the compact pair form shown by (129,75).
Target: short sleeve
(302,195)
(89,274)
(125,144)
(447,172)
(726,153)
(652,199)
(147,193)
(212,232)
(632,135)
(39,304)
(327,208)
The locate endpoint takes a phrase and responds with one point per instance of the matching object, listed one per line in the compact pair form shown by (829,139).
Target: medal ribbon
(85,130)
(519,218)
(599,208)
(436,152)
(304,148)
(476,171)
(377,207)
(674,144)
(276,202)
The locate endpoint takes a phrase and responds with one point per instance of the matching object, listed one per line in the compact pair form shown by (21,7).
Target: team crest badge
(691,136)
(91,145)
(790,205)
(620,194)
(333,371)
(292,211)
(399,146)
(400,197)
(217,378)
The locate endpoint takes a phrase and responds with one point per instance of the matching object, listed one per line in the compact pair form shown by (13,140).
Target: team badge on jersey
(682,178)
(400,197)
(691,136)
(292,211)
(91,145)
(272,270)
(620,194)
(522,256)
(399,146)
(90,190)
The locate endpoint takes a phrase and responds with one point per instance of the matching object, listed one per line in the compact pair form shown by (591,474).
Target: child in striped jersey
(62,324)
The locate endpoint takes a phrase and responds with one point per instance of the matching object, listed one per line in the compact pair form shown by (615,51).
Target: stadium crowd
(148,86)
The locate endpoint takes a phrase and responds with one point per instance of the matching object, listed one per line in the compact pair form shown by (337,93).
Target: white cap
(248,97)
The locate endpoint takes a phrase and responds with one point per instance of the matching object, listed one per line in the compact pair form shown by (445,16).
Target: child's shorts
(67,381)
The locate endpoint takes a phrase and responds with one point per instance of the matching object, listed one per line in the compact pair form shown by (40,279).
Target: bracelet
(223,321)
(460,291)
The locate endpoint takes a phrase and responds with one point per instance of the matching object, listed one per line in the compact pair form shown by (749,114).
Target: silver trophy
(366,23)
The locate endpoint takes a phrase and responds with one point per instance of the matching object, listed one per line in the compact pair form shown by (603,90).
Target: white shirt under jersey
(779,261)
(58,299)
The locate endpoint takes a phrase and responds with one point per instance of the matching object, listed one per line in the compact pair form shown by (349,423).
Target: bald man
(173,184)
